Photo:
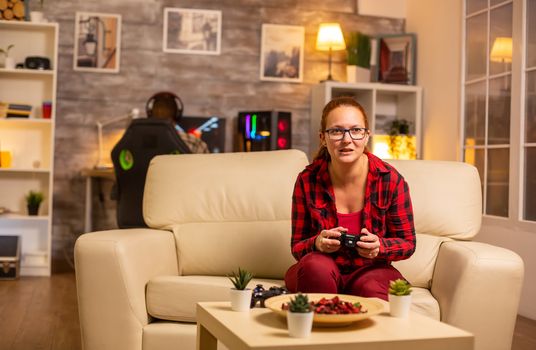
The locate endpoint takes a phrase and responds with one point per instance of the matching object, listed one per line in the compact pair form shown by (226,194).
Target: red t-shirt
(351,221)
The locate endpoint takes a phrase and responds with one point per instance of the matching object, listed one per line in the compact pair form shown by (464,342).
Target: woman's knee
(317,272)
(375,282)
(315,262)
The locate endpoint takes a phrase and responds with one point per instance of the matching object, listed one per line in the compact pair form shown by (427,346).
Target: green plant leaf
(241,278)
(399,287)
(34,198)
(358,49)
(300,303)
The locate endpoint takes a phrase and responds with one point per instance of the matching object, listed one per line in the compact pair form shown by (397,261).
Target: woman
(346,189)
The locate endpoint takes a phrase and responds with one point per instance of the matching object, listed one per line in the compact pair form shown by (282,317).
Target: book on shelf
(17,110)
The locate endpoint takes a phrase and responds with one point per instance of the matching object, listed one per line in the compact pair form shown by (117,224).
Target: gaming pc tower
(264,131)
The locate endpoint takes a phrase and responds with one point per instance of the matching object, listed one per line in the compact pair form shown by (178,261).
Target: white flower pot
(399,305)
(240,299)
(300,324)
(356,74)
(9,63)
(36,16)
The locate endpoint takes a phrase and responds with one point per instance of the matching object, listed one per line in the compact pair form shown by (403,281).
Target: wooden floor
(39,313)
(42,313)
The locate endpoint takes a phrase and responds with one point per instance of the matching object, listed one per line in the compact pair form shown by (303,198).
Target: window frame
(517,145)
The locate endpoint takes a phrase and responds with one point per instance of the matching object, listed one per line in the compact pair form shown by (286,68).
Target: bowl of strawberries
(331,309)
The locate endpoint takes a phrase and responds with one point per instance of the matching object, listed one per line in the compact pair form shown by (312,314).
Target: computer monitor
(210,129)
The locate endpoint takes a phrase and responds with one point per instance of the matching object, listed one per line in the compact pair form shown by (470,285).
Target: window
(499,108)
(529,125)
(487,82)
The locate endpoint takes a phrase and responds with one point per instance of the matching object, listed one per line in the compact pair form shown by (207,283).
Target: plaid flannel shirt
(387,213)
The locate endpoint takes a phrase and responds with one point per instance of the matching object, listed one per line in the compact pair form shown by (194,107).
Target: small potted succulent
(300,316)
(33,201)
(240,294)
(399,298)
(9,62)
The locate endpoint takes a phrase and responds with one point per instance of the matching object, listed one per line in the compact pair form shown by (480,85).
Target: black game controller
(349,240)
(261,294)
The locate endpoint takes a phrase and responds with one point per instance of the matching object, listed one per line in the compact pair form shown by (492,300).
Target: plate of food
(331,309)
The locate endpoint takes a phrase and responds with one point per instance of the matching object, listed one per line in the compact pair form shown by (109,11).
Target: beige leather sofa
(211,213)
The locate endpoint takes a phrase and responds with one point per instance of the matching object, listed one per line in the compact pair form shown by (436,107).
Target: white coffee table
(263,329)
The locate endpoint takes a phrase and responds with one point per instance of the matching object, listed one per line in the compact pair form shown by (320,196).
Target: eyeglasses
(337,134)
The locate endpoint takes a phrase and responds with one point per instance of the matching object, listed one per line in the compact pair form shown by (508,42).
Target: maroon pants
(317,273)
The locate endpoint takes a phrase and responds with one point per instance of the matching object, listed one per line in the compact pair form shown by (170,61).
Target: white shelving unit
(30,141)
(382,102)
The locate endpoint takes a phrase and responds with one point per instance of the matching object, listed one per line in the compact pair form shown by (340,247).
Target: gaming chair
(143,139)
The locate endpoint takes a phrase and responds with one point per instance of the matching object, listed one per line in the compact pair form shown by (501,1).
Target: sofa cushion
(446,197)
(218,249)
(240,186)
(424,303)
(175,297)
(419,268)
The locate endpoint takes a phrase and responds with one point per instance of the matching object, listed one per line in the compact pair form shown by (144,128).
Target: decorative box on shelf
(9,257)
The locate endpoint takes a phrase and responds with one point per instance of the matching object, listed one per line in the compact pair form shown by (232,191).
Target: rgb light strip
(251,126)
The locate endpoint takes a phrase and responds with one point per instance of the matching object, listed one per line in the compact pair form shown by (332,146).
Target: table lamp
(501,51)
(133,114)
(330,39)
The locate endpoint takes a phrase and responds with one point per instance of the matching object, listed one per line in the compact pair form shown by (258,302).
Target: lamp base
(329,78)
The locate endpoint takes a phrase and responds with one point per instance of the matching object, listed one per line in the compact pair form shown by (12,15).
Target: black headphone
(161,96)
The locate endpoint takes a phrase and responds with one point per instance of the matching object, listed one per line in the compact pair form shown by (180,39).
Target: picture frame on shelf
(97,44)
(396,58)
(282,53)
(192,31)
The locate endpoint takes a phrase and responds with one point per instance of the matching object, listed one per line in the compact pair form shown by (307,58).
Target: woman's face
(345,150)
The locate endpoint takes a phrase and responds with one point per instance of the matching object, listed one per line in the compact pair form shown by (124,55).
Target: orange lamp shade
(330,37)
(501,51)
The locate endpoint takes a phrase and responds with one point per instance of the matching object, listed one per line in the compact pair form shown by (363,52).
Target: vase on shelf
(356,74)
(37,16)
(9,63)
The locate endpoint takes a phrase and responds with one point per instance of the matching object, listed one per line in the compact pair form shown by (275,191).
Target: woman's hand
(328,240)
(369,245)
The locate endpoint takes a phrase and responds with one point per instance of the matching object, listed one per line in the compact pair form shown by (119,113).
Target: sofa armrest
(478,287)
(112,270)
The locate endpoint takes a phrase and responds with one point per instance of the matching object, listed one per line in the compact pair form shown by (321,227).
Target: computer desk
(90,175)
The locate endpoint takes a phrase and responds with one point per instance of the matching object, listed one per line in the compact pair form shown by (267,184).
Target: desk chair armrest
(112,270)
(478,287)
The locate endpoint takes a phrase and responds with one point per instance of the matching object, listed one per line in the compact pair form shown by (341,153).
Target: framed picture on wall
(282,53)
(396,58)
(192,31)
(97,44)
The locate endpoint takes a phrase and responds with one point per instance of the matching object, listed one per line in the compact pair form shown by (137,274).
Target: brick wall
(208,85)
